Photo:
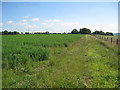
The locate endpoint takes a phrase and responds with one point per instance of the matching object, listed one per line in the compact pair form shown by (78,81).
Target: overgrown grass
(103,65)
(87,63)
(18,49)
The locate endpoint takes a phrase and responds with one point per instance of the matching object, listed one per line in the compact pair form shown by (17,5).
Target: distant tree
(59,33)
(35,32)
(46,32)
(10,33)
(102,33)
(99,32)
(26,32)
(64,33)
(74,31)
(5,32)
(96,32)
(109,33)
(15,32)
(21,32)
(85,31)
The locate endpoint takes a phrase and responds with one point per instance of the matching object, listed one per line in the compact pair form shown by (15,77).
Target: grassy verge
(87,63)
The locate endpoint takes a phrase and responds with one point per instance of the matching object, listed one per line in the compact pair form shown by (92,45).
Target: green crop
(18,49)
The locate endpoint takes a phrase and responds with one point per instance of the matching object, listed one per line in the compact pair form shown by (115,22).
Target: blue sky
(59,16)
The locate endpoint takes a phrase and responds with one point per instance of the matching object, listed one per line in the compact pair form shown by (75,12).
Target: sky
(59,16)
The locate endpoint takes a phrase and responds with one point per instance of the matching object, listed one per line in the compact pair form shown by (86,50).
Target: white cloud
(44,23)
(24,20)
(31,26)
(104,27)
(35,26)
(1,24)
(9,22)
(35,19)
(53,20)
(70,24)
(56,20)
(21,23)
(26,17)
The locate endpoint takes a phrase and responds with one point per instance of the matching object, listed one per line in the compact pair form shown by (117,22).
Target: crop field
(58,61)
(18,49)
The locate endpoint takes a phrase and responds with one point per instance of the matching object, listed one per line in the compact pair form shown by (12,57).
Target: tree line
(88,31)
(74,31)
(15,33)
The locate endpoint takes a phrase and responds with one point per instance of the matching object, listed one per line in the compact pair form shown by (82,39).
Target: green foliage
(109,33)
(85,31)
(74,31)
(87,63)
(96,32)
(9,33)
(26,32)
(103,33)
(18,50)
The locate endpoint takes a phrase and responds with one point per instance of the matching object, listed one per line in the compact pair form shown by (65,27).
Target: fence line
(112,40)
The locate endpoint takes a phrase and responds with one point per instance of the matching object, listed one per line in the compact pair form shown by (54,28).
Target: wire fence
(111,39)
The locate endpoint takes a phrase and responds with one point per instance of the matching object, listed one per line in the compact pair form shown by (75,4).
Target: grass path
(87,63)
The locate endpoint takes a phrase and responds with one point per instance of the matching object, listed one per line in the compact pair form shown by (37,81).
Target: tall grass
(19,49)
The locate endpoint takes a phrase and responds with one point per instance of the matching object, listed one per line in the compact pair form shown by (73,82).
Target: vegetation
(58,61)
(102,33)
(82,31)
(74,31)
(109,33)
(9,33)
(17,50)
(85,31)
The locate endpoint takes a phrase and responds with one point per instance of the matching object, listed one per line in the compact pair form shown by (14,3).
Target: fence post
(107,38)
(111,40)
(104,38)
(117,41)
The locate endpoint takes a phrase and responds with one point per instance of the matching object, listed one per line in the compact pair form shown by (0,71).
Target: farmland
(58,61)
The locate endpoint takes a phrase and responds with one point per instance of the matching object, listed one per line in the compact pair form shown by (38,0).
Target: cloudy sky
(59,16)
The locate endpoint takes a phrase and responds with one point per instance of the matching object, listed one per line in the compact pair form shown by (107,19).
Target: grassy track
(87,63)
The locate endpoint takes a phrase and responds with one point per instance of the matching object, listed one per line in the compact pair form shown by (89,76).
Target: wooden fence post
(107,38)
(111,40)
(117,41)
(104,38)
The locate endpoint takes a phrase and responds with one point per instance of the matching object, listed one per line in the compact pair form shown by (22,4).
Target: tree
(109,33)
(22,33)
(26,32)
(74,31)
(102,33)
(15,32)
(99,32)
(46,32)
(96,32)
(85,31)
(10,33)
(5,32)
